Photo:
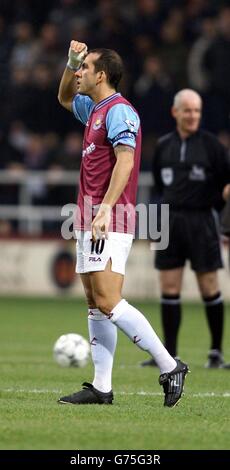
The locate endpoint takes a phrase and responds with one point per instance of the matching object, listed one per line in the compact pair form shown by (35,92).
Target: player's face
(87,78)
(188,115)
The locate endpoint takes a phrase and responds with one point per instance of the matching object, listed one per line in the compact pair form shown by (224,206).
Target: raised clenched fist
(76,55)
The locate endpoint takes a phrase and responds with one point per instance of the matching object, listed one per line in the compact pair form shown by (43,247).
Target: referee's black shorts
(194,236)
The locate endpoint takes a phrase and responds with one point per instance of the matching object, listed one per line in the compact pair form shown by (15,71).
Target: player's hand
(100,224)
(226,192)
(76,55)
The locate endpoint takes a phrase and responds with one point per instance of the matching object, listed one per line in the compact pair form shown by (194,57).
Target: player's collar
(106,101)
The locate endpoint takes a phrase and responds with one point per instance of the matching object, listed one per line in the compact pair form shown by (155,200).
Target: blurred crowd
(166,45)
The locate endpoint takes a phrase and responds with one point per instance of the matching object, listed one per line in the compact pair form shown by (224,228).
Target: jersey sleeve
(82,107)
(122,124)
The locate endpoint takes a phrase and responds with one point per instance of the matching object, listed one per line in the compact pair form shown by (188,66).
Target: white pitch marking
(200,394)
(33,390)
(141,393)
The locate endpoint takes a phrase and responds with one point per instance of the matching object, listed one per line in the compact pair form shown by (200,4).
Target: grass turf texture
(31,383)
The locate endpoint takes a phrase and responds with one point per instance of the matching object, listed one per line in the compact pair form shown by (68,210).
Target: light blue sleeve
(82,106)
(122,124)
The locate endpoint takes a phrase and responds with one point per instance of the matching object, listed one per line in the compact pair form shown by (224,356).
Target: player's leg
(214,308)
(105,290)
(206,259)
(103,340)
(107,294)
(170,285)
(102,334)
(106,286)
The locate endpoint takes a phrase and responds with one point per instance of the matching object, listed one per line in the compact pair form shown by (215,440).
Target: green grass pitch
(31,383)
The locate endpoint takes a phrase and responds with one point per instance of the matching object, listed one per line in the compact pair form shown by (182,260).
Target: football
(71,350)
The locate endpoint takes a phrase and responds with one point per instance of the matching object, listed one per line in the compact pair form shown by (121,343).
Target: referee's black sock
(214,308)
(171,319)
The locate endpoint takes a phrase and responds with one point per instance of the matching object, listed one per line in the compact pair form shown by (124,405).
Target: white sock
(103,340)
(139,330)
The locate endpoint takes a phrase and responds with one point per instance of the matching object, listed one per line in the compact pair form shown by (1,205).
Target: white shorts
(94,256)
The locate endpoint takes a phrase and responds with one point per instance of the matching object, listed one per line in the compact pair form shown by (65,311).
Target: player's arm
(119,179)
(120,175)
(67,91)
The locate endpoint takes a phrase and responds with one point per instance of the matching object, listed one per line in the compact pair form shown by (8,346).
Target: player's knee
(91,303)
(103,304)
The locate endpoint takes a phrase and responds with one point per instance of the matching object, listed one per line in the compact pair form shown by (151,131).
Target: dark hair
(109,62)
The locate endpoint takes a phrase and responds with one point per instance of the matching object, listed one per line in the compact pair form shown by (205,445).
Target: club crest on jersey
(98,123)
(132,125)
(167,176)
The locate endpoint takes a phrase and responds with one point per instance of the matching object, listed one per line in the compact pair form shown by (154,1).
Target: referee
(190,170)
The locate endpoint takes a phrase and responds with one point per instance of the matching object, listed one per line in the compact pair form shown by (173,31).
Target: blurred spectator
(110,28)
(174,50)
(153,94)
(47,48)
(22,50)
(18,96)
(148,18)
(198,76)
(195,11)
(6,43)
(68,156)
(36,157)
(165,46)
(217,62)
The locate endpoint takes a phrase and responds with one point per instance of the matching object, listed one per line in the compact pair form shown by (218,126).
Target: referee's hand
(226,192)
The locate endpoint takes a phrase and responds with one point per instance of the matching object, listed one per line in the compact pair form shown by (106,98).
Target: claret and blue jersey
(108,123)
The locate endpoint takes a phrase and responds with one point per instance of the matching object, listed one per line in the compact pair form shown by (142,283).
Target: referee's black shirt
(191,173)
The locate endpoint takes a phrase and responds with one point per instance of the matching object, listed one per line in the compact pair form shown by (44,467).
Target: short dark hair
(109,62)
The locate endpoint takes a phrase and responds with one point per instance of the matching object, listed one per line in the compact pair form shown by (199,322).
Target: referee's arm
(222,165)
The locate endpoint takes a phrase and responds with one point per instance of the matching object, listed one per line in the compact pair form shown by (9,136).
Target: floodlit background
(166,45)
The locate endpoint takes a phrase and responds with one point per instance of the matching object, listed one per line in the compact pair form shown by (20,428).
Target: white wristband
(69,66)
(75,59)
